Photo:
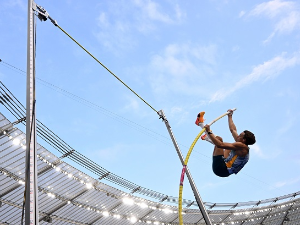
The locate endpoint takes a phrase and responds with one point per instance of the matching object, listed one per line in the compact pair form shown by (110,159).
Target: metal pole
(31,200)
(187,171)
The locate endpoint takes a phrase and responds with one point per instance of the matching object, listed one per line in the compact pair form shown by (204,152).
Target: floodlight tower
(31,195)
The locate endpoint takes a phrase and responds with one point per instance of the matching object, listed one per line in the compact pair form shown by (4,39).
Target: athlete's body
(228,158)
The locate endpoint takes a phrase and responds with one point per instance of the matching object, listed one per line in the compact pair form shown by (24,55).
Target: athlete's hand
(230,112)
(207,127)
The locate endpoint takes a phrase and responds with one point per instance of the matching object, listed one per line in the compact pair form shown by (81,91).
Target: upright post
(31,197)
(192,183)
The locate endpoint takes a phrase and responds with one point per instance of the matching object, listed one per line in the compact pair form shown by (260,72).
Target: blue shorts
(219,167)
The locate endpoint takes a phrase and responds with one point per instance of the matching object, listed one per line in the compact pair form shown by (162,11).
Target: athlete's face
(241,137)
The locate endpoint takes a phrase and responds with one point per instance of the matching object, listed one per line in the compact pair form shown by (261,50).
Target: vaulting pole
(31,200)
(192,183)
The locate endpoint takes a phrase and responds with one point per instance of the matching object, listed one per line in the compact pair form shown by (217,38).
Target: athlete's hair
(249,137)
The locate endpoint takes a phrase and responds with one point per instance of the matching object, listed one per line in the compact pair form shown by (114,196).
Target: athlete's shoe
(200,118)
(203,137)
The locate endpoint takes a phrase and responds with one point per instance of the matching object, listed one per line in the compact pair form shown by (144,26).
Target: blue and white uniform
(235,163)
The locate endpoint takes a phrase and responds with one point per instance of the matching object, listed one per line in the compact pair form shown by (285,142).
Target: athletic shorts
(219,167)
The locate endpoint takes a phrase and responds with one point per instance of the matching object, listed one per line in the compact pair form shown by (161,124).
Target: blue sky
(182,57)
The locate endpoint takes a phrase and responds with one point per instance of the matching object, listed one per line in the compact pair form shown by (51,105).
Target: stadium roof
(69,196)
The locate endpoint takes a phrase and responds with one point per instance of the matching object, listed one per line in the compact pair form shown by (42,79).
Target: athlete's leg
(200,122)
(218,165)
(205,136)
(218,151)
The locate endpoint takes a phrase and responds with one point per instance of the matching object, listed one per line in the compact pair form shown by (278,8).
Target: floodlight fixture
(21,182)
(105,213)
(117,216)
(133,219)
(16,141)
(89,185)
(143,205)
(128,201)
(167,211)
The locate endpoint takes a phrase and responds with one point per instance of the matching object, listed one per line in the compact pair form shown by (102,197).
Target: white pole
(31,201)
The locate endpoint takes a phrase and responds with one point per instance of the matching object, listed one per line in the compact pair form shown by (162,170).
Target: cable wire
(106,68)
(121,119)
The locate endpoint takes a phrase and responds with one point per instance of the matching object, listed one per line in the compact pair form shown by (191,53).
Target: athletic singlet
(235,163)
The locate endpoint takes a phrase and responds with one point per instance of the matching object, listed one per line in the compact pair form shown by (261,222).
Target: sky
(181,57)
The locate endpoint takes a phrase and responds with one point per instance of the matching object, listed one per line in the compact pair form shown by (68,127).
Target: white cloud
(120,23)
(149,13)
(103,20)
(255,149)
(265,71)
(179,68)
(133,104)
(176,110)
(152,11)
(242,13)
(114,35)
(179,113)
(179,13)
(171,63)
(269,38)
(265,154)
(287,182)
(288,23)
(285,14)
(273,8)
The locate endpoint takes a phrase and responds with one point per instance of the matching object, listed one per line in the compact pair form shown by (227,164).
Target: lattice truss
(69,196)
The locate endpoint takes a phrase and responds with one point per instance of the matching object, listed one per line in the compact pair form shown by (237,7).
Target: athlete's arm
(239,148)
(232,126)
(236,146)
